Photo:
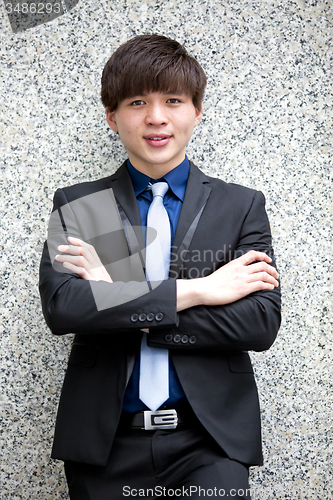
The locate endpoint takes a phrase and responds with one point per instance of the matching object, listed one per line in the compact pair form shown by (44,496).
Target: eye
(138,102)
(173,100)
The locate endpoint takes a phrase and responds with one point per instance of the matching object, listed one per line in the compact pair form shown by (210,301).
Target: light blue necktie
(154,362)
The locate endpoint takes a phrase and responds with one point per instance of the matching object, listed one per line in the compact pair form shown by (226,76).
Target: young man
(159,398)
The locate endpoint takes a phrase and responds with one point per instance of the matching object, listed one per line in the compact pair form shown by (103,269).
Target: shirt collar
(176,178)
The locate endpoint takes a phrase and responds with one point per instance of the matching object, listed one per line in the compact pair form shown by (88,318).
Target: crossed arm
(249,273)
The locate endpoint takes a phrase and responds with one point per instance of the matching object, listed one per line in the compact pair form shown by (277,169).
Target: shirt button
(168,337)
(150,317)
(159,316)
(192,339)
(142,317)
(184,339)
(134,318)
(177,338)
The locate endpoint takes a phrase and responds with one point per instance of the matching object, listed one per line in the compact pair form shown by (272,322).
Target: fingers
(79,253)
(77,260)
(257,286)
(263,277)
(77,247)
(253,256)
(81,271)
(260,267)
(259,270)
(73,250)
(77,241)
(82,258)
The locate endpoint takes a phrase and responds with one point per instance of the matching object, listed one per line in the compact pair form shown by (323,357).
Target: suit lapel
(122,187)
(196,196)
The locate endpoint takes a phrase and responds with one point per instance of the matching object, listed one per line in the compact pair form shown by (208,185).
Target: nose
(156,115)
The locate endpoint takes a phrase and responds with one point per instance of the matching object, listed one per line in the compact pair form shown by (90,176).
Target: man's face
(155,129)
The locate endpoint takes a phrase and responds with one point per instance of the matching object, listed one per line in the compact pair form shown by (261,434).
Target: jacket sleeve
(250,323)
(73,305)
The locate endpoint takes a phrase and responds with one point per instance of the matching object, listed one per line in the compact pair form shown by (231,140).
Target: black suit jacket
(208,345)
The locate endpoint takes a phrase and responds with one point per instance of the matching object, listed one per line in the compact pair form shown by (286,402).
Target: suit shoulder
(75,191)
(68,194)
(85,188)
(225,188)
(234,191)
(81,189)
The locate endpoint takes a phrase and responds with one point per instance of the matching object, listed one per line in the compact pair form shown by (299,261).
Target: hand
(231,282)
(83,260)
(237,279)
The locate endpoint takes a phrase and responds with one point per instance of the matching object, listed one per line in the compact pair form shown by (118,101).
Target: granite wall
(267,125)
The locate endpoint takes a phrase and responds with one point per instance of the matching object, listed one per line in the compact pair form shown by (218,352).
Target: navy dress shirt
(173,200)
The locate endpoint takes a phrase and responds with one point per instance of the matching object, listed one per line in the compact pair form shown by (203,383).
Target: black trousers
(181,463)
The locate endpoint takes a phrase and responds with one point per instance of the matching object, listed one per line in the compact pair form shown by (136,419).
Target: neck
(153,170)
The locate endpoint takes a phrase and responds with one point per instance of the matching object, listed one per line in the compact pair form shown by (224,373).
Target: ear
(198,115)
(111,119)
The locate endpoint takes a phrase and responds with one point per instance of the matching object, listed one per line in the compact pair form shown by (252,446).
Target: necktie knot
(159,189)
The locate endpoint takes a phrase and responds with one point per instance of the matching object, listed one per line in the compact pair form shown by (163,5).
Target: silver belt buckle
(160,419)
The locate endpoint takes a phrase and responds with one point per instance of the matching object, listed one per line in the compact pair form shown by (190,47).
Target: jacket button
(184,339)
(134,318)
(142,317)
(192,339)
(177,338)
(150,317)
(168,337)
(159,316)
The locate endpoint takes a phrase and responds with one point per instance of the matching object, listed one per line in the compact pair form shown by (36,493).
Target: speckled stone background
(267,125)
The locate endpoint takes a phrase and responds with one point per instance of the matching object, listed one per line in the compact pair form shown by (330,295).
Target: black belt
(152,420)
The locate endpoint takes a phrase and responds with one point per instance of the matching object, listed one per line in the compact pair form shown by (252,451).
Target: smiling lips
(157,140)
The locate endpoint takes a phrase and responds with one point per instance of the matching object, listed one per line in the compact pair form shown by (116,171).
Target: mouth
(157,139)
